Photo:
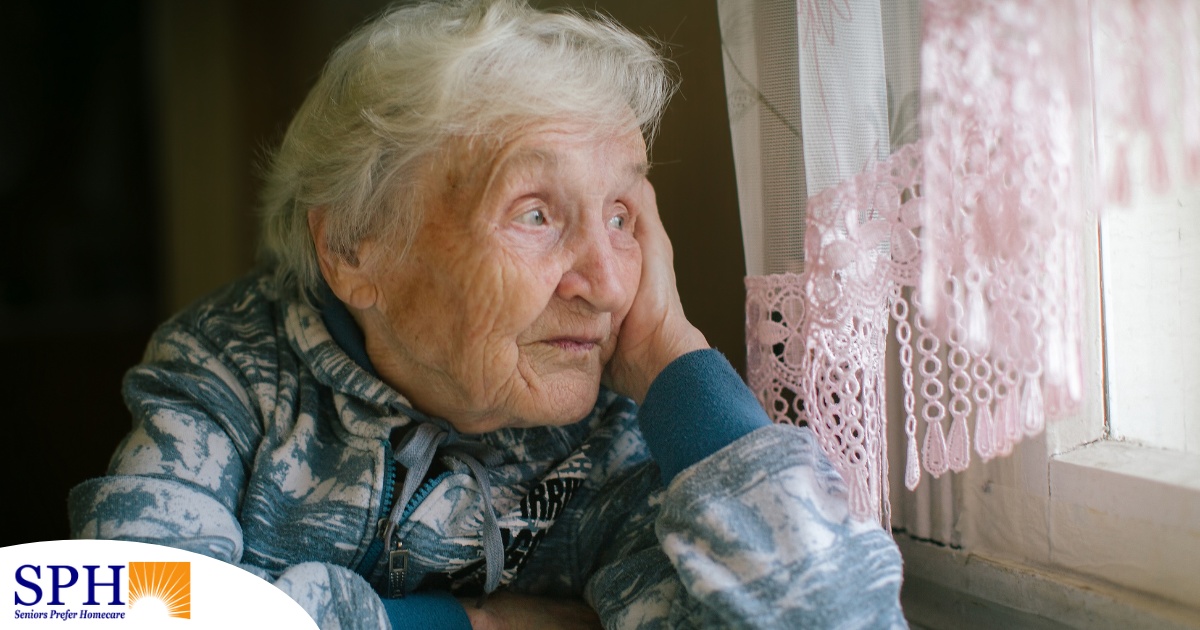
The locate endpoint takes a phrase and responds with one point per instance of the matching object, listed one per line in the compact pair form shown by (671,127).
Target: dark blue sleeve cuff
(428,611)
(696,406)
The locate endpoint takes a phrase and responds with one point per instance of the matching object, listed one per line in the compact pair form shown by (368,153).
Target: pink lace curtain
(925,170)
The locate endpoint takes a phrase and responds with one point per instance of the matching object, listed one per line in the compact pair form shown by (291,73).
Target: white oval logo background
(218,595)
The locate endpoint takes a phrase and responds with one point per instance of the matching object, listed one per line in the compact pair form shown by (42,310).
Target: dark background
(130,138)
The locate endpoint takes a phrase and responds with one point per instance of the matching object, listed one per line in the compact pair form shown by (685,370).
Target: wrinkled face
(507,306)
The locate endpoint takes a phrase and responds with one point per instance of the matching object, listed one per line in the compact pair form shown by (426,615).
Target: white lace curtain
(923,169)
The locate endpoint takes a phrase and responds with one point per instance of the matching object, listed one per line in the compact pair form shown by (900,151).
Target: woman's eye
(535,217)
(617,222)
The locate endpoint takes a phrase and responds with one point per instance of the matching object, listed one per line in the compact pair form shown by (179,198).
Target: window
(1098,522)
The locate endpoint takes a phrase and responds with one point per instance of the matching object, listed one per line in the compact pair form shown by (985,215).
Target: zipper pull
(397,570)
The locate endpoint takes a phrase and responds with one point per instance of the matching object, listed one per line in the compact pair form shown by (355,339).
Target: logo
(118,584)
(154,590)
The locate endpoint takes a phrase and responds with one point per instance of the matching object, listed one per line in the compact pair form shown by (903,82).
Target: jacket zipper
(385,507)
(397,558)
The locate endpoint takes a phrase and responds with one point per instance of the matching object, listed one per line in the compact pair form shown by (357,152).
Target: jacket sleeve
(179,476)
(752,529)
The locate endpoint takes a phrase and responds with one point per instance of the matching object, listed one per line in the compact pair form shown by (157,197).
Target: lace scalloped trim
(817,340)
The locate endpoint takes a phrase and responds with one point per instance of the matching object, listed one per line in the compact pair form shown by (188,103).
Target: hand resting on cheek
(655,331)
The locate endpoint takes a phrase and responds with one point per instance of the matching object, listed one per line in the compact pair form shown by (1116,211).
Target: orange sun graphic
(168,582)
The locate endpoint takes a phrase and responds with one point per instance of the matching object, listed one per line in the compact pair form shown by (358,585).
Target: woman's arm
(756,534)
(180,476)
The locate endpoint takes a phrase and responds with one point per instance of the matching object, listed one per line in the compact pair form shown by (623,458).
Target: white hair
(406,83)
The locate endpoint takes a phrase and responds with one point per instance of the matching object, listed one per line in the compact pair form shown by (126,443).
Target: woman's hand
(655,332)
(508,611)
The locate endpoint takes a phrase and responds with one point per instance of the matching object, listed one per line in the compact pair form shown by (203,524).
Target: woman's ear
(346,273)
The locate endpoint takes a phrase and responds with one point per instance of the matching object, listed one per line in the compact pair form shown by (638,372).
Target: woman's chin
(557,404)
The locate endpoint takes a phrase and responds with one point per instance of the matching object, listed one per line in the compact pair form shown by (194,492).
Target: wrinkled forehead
(620,156)
(486,164)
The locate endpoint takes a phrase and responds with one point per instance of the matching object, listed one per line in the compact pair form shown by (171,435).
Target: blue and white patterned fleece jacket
(258,440)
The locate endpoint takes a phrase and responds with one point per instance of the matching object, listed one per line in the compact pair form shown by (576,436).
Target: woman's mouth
(574,344)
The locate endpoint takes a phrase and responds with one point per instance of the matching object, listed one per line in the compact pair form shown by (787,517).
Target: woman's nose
(595,274)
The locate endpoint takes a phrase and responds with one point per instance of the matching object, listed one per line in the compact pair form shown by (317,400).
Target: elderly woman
(466,369)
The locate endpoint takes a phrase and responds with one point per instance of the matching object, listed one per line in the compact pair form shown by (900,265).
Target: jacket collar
(330,344)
